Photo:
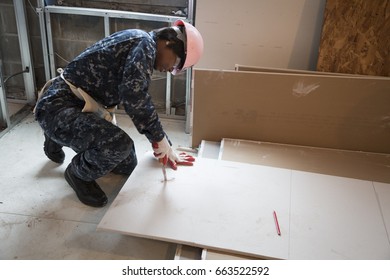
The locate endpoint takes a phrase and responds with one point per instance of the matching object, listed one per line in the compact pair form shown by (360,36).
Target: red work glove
(164,152)
(183,159)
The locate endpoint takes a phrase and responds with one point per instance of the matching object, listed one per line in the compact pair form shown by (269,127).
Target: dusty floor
(40,215)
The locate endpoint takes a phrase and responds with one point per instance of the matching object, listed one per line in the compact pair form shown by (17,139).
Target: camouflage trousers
(101,146)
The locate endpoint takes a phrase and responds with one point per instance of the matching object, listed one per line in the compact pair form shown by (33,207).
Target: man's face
(166,59)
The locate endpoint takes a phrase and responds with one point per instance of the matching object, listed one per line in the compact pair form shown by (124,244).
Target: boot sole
(70,182)
(54,159)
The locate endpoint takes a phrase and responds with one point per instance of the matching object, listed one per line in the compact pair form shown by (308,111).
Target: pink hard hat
(193,45)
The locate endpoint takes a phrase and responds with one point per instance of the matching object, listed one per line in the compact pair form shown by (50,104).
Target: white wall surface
(267,33)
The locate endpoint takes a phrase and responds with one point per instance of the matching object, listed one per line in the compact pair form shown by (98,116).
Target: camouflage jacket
(118,69)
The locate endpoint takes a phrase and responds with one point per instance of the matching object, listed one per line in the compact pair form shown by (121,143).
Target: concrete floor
(40,215)
(14,107)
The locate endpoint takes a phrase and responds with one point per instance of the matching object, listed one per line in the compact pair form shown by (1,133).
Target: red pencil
(277,224)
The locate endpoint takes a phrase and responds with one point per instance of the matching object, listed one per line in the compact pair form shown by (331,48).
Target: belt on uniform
(91,105)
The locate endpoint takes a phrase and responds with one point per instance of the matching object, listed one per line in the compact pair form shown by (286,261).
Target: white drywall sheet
(383,192)
(228,206)
(214,204)
(351,164)
(335,218)
(331,217)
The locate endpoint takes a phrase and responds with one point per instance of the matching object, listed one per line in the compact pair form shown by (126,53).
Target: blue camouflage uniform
(115,70)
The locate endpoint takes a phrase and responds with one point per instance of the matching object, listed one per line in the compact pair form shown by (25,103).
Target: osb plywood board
(358,165)
(335,218)
(349,113)
(222,205)
(355,37)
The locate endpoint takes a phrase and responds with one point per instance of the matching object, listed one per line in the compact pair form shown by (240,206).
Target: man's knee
(124,144)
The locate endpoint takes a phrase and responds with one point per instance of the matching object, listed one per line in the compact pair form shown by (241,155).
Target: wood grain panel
(355,37)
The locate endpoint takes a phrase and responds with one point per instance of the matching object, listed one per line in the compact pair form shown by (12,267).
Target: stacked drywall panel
(326,211)
(322,170)
(227,207)
(343,163)
(338,112)
(214,204)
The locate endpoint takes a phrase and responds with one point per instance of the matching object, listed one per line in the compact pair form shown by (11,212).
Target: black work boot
(88,192)
(53,150)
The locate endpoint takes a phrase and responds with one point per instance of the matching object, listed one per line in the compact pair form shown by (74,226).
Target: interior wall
(71,34)
(10,51)
(267,33)
(163,7)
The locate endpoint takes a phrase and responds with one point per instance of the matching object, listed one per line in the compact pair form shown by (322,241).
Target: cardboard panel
(358,165)
(214,205)
(349,113)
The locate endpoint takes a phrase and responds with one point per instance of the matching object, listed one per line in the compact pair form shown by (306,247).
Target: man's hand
(162,148)
(183,159)
(164,152)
